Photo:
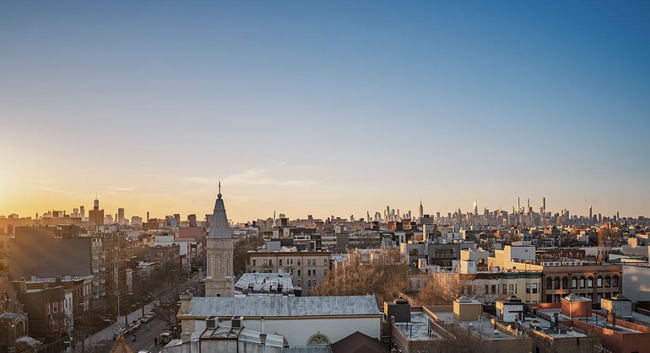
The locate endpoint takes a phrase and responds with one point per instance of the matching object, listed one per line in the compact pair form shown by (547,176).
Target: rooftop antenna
(219,194)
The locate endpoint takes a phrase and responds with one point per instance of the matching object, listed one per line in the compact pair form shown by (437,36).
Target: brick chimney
(611,318)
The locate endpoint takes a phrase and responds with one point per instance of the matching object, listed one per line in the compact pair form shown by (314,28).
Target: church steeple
(219,279)
(219,227)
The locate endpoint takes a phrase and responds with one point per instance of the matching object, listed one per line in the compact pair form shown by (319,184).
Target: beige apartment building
(307,268)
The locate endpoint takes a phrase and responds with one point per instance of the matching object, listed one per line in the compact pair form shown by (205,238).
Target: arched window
(557,282)
(549,283)
(615,281)
(318,339)
(574,282)
(599,282)
(565,283)
(608,281)
(582,282)
(590,282)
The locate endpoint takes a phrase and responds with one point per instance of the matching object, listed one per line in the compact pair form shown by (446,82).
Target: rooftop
(484,329)
(284,306)
(264,284)
(418,329)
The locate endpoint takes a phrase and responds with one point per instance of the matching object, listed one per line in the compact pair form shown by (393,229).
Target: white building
(300,320)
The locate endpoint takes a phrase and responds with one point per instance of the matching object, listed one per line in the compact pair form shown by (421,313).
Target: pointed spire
(219,227)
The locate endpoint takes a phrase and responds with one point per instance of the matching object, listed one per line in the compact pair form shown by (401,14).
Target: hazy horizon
(324,108)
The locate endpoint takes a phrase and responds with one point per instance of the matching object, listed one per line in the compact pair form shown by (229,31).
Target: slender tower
(421,209)
(219,279)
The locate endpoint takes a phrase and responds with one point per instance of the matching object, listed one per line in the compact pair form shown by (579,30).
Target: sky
(324,108)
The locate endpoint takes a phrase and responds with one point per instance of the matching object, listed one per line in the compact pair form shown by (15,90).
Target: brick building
(307,268)
(593,282)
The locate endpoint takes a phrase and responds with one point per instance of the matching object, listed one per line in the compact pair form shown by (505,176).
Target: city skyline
(382,212)
(328,107)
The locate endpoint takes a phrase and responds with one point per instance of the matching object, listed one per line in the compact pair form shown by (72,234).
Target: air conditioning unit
(211,322)
(237,322)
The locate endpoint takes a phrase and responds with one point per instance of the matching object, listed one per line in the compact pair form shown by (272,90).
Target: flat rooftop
(544,326)
(257,284)
(418,328)
(484,329)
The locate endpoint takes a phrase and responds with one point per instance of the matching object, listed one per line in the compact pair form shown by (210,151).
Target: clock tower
(219,279)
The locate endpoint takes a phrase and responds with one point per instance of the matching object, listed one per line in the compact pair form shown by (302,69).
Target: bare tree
(385,277)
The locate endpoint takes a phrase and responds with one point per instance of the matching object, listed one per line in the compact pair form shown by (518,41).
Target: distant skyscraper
(421,210)
(96,215)
(120,216)
(544,204)
(518,205)
(82,211)
(475,207)
(591,216)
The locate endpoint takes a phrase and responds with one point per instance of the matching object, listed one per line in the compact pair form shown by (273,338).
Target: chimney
(263,338)
(186,303)
(57,281)
(611,318)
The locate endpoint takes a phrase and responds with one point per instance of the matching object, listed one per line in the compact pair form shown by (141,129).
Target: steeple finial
(219,195)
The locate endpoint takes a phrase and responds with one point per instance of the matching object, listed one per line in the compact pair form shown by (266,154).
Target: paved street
(144,338)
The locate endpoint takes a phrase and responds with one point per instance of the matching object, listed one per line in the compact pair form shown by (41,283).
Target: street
(144,337)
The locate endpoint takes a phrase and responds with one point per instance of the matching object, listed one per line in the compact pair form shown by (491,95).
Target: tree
(166,309)
(240,255)
(385,277)
(441,289)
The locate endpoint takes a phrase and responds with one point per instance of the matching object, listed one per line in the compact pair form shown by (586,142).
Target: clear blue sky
(324,107)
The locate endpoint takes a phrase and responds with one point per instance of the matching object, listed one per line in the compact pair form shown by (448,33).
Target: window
(254,262)
(324,262)
(308,283)
(299,282)
(413,252)
(590,282)
(280,262)
(291,261)
(608,281)
(48,308)
(565,283)
(615,281)
(582,282)
(487,289)
(325,272)
(270,262)
(549,283)
(534,289)
(505,289)
(265,262)
(313,262)
(55,325)
(599,282)
(494,289)
(512,289)
(528,288)
(298,272)
(55,307)
(308,262)
(298,262)
(308,272)
(574,282)
(314,283)
(557,283)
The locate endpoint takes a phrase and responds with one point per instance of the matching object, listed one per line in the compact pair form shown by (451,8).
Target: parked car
(165,337)
(135,325)
(147,318)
